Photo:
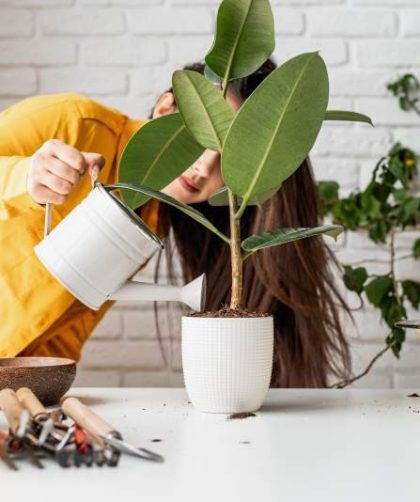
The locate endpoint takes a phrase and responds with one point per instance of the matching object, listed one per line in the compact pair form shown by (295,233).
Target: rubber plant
(260,146)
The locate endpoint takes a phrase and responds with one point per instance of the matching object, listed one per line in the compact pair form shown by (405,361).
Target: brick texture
(123,52)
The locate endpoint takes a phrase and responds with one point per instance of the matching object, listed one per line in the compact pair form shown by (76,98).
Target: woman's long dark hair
(293,282)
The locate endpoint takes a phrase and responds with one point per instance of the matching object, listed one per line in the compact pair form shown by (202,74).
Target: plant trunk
(235,253)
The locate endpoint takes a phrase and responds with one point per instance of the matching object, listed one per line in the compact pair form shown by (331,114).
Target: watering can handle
(47,221)
(48,206)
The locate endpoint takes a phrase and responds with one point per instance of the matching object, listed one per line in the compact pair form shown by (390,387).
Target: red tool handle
(3,439)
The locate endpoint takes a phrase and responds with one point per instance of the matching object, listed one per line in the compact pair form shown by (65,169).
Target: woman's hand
(56,168)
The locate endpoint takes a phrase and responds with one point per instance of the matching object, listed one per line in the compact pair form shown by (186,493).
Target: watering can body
(95,250)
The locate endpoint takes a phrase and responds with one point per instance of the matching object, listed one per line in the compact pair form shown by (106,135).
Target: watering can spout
(192,294)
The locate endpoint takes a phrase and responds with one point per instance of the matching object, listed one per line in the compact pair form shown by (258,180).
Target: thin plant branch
(346,382)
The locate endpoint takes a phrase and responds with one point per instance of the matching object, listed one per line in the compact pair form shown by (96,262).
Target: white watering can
(95,250)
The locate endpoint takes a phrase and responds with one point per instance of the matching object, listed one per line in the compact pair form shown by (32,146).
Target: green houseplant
(291,104)
(386,208)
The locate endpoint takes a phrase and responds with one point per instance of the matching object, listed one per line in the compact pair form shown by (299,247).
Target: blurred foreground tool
(17,445)
(106,433)
(68,444)
(35,432)
(5,453)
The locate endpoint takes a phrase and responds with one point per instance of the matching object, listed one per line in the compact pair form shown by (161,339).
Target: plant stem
(412,103)
(346,383)
(392,270)
(241,210)
(235,236)
(235,253)
(225,85)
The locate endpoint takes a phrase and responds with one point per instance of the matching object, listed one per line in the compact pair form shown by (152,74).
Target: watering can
(97,248)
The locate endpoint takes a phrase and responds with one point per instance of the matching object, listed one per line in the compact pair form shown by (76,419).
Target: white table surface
(304,445)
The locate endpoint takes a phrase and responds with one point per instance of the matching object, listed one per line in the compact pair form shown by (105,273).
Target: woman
(293,282)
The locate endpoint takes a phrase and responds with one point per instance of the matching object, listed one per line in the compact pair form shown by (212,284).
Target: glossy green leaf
(416,249)
(355,278)
(398,334)
(370,204)
(221,198)
(285,235)
(378,288)
(276,127)
(157,153)
(411,290)
(378,230)
(244,38)
(395,313)
(394,340)
(347,116)
(188,210)
(328,190)
(398,169)
(202,106)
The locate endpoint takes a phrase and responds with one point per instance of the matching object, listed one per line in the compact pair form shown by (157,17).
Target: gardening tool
(68,444)
(18,443)
(95,250)
(44,424)
(13,411)
(5,453)
(96,426)
(46,430)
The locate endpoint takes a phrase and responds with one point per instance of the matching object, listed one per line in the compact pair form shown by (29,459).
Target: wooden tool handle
(84,416)
(30,401)
(11,407)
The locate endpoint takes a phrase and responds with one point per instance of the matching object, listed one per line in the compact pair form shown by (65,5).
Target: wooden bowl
(49,378)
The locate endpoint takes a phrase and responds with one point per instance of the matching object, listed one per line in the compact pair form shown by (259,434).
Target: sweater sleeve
(37,313)
(31,299)
(13,194)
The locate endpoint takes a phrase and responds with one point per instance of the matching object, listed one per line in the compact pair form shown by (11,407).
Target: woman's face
(202,178)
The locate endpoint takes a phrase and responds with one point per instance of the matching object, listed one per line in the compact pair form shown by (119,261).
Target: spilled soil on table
(241,415)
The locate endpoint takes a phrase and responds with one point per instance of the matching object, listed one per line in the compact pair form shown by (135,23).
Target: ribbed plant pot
(227,362)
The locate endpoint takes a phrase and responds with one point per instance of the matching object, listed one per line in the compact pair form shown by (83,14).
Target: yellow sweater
(37,315)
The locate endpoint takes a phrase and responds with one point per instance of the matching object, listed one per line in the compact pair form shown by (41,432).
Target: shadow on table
(306,402)
(292,406)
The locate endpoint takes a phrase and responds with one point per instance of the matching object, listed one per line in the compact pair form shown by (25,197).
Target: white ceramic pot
(227,362)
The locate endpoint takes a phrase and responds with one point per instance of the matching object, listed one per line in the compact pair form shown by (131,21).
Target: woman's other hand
(56,168)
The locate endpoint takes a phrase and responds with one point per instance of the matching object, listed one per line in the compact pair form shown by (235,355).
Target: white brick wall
(122,52)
